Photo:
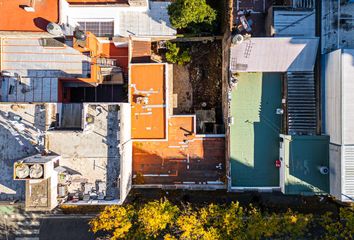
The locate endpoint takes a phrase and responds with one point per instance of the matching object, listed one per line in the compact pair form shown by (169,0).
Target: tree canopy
(164,220)
(185,12)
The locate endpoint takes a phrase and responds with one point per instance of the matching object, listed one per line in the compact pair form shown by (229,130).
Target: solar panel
(100,29)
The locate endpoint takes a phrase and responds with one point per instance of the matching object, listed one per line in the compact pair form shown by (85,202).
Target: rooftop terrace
(15,18)
(184,158)
(254,135)
(148,101)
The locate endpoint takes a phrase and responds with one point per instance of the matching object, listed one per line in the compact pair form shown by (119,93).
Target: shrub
(176,55)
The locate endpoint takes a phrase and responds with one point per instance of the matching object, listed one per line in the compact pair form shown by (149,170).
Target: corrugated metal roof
(348,173)
(294,23)
(274,55)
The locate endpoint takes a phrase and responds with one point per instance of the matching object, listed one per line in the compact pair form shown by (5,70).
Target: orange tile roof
(185,157)
(148,118)
(15,18)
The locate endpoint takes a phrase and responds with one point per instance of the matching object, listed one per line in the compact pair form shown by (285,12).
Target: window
(100,29)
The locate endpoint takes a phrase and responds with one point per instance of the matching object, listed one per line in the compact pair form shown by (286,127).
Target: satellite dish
(80,35)
(22,171)
(237,39)
(36,171)
(54,29)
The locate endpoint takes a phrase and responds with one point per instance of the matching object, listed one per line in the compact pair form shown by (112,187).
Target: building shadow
(41,23)
(113,153)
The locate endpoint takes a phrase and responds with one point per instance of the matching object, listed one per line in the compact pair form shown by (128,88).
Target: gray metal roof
(274,55)
(294,23)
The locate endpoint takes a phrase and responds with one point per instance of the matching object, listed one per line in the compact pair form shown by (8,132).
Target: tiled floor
(183,158)
(148,118)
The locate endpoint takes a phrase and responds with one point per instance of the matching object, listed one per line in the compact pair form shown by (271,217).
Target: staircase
(301,103)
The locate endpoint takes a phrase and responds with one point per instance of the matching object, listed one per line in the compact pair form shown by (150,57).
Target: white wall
(283,156)
(348,96)
(333,97)
(126,161)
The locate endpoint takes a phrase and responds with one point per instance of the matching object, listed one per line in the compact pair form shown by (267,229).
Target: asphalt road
(45,227)
(73,228)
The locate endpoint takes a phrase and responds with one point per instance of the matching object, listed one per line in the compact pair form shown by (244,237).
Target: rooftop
(33,66)
(184,158)
(337,25)
(254,134)
(89,158)
(294,23)
(25,138)
(148,101)
(274,55)
(15,18)
(303,157)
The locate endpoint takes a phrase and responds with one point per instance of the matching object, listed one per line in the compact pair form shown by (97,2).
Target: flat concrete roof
(15,18)
(92,155)
(18,139)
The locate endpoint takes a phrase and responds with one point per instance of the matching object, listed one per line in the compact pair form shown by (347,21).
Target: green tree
(176,55)
(185,12)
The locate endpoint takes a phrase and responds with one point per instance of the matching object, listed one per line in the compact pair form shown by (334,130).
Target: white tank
(36,171)
(22,171)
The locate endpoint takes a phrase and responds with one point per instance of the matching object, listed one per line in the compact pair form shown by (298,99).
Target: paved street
(29,226)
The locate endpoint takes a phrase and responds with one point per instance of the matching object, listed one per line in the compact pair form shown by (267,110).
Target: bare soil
(199,83)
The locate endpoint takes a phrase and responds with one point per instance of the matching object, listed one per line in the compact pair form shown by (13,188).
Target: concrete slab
(21,135)
(93,154)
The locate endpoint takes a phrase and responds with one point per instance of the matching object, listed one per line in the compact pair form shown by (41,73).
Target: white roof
(154,22)
(274,55)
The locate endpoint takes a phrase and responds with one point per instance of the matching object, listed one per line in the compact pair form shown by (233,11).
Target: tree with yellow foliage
(341,227)
(164,220)
(116,220)
(157,217)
